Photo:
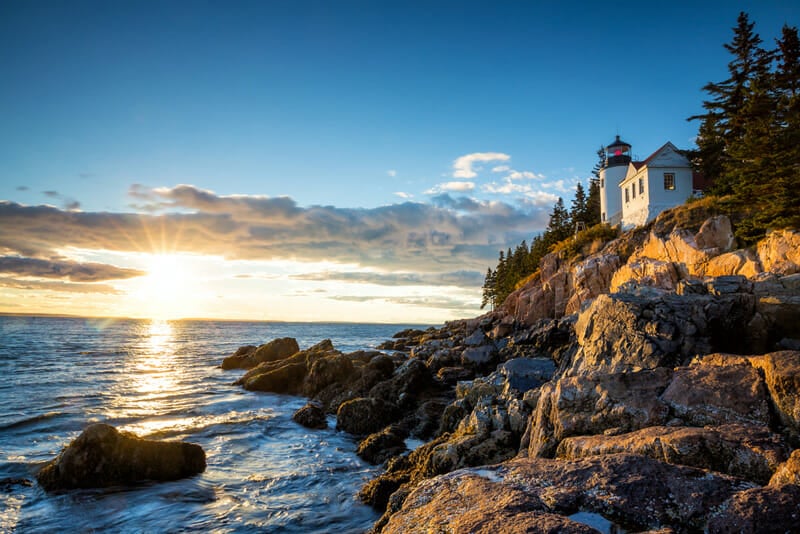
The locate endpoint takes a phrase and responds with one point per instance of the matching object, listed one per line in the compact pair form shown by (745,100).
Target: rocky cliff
(653,385)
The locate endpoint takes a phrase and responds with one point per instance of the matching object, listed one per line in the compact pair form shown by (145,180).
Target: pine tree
(579,212)
(559,227)
(489,291)
(593,203)
(725,121)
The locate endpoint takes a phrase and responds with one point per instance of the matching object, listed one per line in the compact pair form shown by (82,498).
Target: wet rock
(633,490)
(240,359)
(768,510)
(364,416)
(745,451)
(326,371)
(248,357)
(284,379)
(102,456)
(311,416)
(380,446)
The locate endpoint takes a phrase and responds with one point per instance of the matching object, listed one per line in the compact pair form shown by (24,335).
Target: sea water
(161,380)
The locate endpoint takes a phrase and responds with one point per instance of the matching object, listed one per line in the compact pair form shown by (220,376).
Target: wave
(31,420)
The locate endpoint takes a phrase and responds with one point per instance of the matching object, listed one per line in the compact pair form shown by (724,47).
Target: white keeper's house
(632,193)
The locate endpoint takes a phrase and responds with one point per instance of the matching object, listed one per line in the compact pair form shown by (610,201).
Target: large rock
(768,510)
(594,404)
(781,372)
(380,446)
(102,456)
(716,234)
(645,272)
(333,369)
(284,379)
(629,332)
(634,490)
(364,416)
(716,393)
(311,416)
(745,451)
(249,356)
(779,252)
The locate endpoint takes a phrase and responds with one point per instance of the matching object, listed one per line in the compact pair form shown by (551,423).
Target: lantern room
(618,153)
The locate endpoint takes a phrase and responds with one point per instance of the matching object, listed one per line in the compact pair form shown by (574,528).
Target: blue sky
(423,121)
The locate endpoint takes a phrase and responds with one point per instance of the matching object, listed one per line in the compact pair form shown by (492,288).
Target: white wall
(610,199)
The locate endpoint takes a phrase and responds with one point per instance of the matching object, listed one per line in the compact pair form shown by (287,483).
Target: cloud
(456,234)
(22,188)
(525,175)
(402,194)
(466,279)
(464,167)
(66,269)
(66,202)
(66,287)
(449,303)
(392,173)
(457,186)
(501,168)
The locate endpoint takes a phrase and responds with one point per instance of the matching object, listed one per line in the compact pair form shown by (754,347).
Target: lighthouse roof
(619,142)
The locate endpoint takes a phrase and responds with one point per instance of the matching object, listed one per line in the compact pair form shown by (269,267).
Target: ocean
(161,380)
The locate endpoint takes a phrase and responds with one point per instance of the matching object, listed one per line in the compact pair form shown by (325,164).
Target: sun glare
(167,287)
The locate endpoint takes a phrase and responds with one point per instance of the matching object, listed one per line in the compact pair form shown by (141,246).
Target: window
(627,199)
(669,181)
(602,182)
(604,216)
(641,186)
(633,190)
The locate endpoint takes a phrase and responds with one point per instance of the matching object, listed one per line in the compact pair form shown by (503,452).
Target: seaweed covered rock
(365,415)
(103,456)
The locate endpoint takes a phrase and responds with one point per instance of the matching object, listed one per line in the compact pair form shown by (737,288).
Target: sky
(358,161)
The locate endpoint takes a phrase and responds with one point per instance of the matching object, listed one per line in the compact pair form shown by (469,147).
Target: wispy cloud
(66,269)
(456,187)
(65,287)
(467,279)
(391,172)
(450,303)
(403,194)
(465,166)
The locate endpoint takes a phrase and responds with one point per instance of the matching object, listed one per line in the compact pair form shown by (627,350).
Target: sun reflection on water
(151,381)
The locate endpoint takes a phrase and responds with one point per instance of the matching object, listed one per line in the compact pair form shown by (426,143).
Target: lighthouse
(618,156)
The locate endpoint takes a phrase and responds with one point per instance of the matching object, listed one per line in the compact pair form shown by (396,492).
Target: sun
(166,290)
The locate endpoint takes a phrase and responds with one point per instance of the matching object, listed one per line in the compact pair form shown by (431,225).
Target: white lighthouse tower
(618,156)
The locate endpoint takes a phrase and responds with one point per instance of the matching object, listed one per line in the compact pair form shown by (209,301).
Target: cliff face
(654,384)
(662,260)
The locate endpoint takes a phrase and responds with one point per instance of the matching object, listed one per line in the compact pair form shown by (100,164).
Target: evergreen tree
(489,291)
(726,119)
(593,203)
(579,212)
(559,227)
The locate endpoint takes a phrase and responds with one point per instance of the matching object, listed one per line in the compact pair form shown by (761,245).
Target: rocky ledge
(654,385)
